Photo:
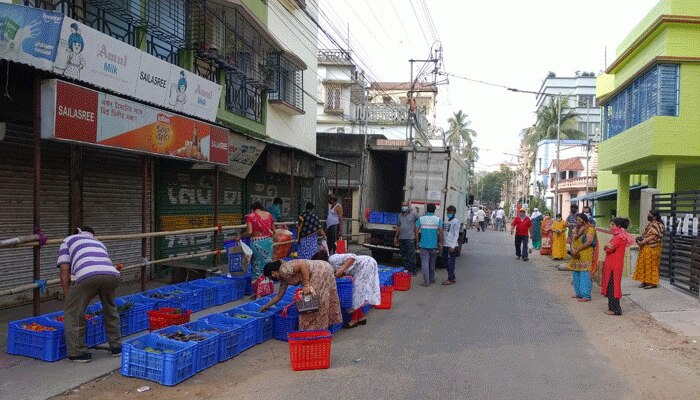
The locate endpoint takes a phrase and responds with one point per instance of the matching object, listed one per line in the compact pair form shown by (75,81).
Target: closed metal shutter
(112,186)
(16,201)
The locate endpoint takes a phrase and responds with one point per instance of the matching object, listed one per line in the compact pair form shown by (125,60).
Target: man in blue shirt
(429,240)
(276,209)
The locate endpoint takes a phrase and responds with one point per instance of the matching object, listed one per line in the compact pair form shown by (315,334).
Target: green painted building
(650,97)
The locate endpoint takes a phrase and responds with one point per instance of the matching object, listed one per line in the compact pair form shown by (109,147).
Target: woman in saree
(316,277)
(559,226)
(536,230)
(581,263)
(614,263)
(260,229)
(647,268)
(546,227)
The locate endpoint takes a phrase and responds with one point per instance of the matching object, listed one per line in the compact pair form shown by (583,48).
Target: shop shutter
(112,186)
(16,200)
(185,200)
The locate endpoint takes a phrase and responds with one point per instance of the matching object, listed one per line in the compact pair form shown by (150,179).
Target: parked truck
(420,175)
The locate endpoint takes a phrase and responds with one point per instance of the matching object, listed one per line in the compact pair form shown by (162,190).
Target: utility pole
(556,180)
(412,119)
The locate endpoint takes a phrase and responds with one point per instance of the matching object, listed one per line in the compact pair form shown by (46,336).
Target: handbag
(307,303)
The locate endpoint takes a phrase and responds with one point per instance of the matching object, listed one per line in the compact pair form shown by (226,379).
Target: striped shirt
(86,256)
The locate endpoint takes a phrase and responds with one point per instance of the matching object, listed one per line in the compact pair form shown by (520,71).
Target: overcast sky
(510,42)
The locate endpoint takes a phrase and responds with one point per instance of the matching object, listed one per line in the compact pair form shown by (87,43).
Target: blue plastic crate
(285,325)
(94,327)
(344,292)
(228,337)
(138,318)
(335,328)
(188,298)
(248,286)
(246,335)
(239,284)
(123,317)
(164,300)
(208,292)
(168,362)
(206,350)
(226,288)
(46,346)
(196,298)
(367,308)
(390,218)
(264,321)
(376,217)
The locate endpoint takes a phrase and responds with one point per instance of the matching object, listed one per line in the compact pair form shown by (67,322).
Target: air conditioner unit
(340,129)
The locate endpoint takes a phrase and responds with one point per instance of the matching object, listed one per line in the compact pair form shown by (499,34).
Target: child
(614,263)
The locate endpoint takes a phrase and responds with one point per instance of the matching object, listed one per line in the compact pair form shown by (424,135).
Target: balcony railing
(335,56)
(387,113)
(575,183)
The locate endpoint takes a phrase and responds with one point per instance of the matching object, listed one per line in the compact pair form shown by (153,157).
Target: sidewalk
(672,308)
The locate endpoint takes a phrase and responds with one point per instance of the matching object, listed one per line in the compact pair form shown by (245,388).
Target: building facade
(580,94)
(648,96)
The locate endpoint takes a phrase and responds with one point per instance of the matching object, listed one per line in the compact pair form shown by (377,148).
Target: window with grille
(656,93)
(333,96)
(286,81)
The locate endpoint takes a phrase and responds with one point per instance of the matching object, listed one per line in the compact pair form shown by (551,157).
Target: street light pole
(556,181)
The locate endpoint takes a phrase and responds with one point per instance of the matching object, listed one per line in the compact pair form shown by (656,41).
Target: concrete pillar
(652,180)
(666,176)
(623,195)
(644,206)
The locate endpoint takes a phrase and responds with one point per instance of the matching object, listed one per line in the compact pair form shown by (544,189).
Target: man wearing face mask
(589,214)
(405,237)
(451,242)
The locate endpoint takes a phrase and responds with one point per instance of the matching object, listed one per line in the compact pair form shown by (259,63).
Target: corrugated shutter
(185,200)
(16,200)
(112,185)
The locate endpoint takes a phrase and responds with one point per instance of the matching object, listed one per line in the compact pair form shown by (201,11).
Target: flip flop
(650,287)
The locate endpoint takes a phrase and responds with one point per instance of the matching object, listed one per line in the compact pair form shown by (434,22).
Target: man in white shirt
(481,219)
(500,219)
(449,248)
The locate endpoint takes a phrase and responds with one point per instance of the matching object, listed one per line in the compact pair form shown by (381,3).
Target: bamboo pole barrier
(13,242)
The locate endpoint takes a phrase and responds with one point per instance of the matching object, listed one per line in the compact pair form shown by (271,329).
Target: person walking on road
(333,223)
(647,268)
(449,250)
(559,227)
(405,237)
(521,226)
(87,271)
(429,239)
(500,219)
(614,263)
(481,219)
(536,231)
(581,263)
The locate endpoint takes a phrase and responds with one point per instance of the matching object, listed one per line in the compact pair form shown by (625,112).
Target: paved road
(495,335)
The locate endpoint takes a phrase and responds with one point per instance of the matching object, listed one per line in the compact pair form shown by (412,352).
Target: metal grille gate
(680,257)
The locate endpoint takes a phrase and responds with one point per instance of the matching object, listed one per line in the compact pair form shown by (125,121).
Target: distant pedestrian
(429,237)
(500,219)
(449,250)
(536,231)
(276,209)
(546,226)
(571,221)
(333,223)
(308,232)
(481,219)
(559,227)
(405,237)
(649,259)
(87,271)
(587,210)
(521,226)
(614,264)
(581,263)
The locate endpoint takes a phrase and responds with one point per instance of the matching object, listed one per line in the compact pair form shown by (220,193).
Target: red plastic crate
(387,296)
(310,349)
(164,317)
(402,281)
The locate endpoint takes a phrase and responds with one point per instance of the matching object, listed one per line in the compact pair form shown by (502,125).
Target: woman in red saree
(614,263)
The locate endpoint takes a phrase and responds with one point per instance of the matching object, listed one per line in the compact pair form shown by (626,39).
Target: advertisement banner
(90,56)
(29,35)
(71,112)
(243,152)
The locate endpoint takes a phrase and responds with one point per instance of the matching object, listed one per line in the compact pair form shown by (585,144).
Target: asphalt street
(496,334)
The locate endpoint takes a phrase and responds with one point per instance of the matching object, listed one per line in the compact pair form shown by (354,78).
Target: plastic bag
(281,251)
(262,287)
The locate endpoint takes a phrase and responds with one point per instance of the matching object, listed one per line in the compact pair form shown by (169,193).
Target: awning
(605,194)
(278,143)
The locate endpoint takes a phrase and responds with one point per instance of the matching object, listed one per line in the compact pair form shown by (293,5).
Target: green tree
(492,184)
(461,137)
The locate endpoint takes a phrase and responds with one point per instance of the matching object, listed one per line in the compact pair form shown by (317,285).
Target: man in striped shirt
(86,272)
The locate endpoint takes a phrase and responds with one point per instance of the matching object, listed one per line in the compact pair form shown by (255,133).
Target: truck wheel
(382,256)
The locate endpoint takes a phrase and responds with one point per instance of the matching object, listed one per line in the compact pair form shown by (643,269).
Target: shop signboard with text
(71,112)
(29,35)
(243,153)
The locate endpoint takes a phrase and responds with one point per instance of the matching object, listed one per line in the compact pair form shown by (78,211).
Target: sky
(513,43)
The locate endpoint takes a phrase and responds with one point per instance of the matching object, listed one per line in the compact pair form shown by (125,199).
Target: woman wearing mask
(536,230)
(614,264)
(647,268)
(584,241)
(546,228)
(559,238)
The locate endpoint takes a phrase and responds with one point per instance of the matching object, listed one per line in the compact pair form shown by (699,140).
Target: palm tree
(461,137)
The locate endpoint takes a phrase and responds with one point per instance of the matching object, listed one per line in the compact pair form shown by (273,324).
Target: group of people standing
(576,237)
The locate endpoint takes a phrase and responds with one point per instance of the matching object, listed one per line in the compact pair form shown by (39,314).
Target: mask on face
(404,208)
(650,218)
(450,216)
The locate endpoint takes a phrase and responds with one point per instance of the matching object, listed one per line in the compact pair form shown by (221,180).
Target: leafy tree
(492,184)
(461,137)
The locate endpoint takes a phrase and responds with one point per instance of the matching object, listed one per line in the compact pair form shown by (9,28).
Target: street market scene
(319,199)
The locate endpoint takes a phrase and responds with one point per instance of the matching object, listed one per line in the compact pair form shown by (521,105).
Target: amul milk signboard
(88,55)
(71,112)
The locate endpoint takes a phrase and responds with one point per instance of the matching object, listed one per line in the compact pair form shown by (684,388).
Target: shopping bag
(263,286)
(341,246)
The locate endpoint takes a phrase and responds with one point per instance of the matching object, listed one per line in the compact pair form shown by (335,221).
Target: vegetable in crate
(36,327)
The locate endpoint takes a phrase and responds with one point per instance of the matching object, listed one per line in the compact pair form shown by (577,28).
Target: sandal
(584,300)
(609,312)
(348,326)
(650,287)
(643,285)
